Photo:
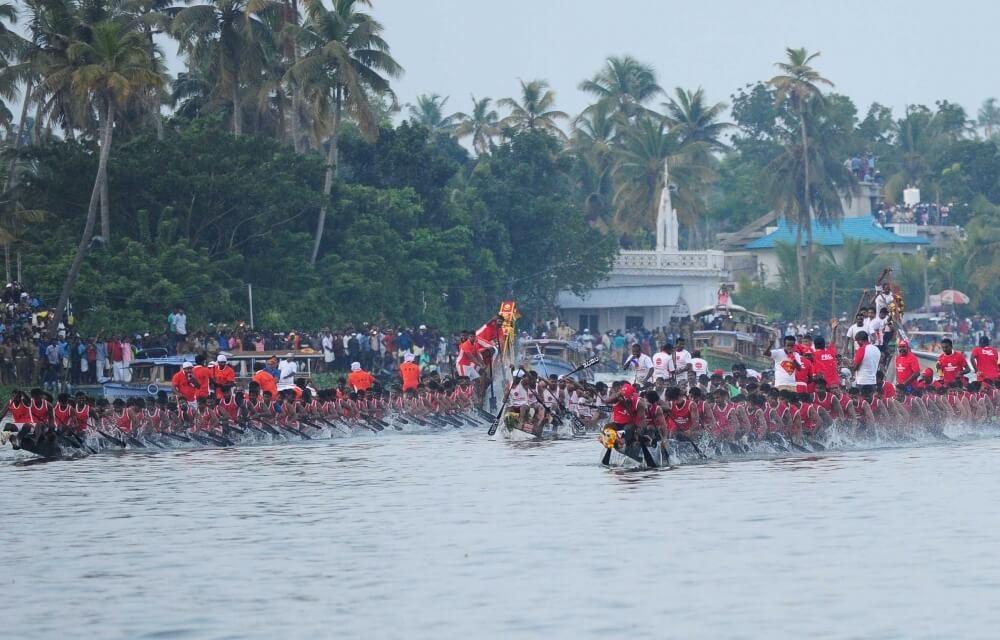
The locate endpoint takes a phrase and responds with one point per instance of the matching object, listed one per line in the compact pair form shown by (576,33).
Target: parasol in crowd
(951,296)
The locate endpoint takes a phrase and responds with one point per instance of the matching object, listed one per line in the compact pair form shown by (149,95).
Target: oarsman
(40,409)
(951,364)
(984,362)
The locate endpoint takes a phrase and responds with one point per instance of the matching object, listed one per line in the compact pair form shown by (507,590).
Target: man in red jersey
(951,364)
(984,362)
(907,365)
(825,362)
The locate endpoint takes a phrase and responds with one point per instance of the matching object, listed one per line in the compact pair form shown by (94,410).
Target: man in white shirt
(699,366)
(865,365)
(287,369)
(327,344)
(682,358)
(786,362)
(663,363)
(640,364)
(883,299)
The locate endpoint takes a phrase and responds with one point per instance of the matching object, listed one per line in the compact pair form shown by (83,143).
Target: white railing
(686,260)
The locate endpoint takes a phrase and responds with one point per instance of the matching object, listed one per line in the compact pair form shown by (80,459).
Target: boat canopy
(728,309)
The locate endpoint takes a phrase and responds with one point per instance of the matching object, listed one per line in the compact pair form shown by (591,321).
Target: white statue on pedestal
(666,217)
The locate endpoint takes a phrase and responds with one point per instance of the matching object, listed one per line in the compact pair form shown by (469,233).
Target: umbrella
(951,296)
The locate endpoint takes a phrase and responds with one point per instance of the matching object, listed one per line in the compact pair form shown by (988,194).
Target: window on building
(588,321)
(634,322)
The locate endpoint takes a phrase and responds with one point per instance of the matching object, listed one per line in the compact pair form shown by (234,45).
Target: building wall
(614,319)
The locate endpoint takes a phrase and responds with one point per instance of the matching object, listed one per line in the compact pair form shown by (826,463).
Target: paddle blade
(606,460)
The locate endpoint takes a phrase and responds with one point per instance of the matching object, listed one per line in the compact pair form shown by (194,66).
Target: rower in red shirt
(951,364)
(984,361)
(907,365)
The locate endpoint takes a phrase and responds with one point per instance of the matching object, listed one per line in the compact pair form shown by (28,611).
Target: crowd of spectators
(863,167)
(30,356)
(923,214)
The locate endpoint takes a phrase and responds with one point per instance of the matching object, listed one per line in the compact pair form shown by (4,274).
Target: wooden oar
(111,438)
(685,438)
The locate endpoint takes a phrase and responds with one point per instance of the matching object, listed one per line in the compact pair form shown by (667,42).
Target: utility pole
(250,295)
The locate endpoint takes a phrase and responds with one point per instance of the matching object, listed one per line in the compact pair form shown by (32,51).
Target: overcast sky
(892,51)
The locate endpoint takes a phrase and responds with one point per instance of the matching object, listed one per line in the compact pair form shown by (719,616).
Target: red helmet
(927,373)
(628,391)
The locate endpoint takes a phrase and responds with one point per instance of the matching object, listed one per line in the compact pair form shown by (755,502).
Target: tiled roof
(862,228)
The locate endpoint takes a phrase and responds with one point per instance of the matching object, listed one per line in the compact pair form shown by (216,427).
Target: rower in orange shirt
(185,384)
(409,371)
(358,379)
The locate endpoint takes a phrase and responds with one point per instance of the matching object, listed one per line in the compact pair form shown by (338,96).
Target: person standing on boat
(359,379)
(865,365)
(984,361)
(907,366)
(409,372)
(825,361)
(682,361)
(185,383)
(951,364)
(203,375)
(786,363)
(663,363)
(223,376)
(639,364)
(286,372)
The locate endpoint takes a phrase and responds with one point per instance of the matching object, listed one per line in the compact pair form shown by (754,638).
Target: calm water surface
(452,536)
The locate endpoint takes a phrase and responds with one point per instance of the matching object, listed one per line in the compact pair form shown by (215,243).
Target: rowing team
(293,410)
(761,411)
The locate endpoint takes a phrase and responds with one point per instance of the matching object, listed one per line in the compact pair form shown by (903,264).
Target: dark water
(452,536)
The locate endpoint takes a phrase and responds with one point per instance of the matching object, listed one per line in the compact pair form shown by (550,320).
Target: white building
(648,288)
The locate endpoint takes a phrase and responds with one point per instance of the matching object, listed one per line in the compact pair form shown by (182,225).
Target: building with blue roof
(902,239)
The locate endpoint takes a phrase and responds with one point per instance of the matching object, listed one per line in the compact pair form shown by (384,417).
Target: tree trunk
(105,211)
(800,267)
(803,308)
(237,112)
(36,130)
(20,134)
(6,259)
(88,227)
(331,171)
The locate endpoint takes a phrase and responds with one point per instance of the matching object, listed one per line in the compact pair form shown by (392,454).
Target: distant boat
(741,337)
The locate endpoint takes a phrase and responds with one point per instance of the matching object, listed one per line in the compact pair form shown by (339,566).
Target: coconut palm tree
(689,113)
(592,143)
(989,116)
(799,83)
(346,62)
(429,112)
(482,125)
(639,178)
(219,37)
(626,84)
(106,72)
(534,110)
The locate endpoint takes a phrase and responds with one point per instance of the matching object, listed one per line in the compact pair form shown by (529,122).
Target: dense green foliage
(284,166)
